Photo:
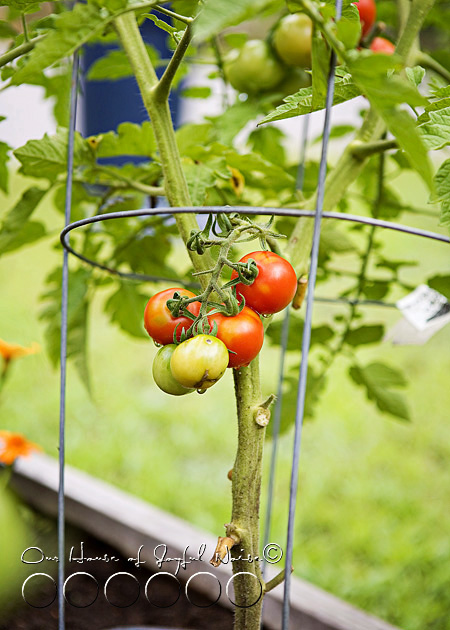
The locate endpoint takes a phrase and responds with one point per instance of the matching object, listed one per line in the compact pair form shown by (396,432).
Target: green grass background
(373,522)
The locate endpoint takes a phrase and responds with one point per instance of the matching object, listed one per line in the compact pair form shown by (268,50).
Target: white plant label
(425,311)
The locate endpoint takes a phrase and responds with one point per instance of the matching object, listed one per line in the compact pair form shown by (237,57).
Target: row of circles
(151,581)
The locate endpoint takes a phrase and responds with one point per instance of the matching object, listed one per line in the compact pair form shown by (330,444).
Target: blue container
(106,104)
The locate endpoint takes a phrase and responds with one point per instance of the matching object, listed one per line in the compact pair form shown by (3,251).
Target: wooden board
(128,524)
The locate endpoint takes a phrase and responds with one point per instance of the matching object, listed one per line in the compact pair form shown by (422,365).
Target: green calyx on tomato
(199,362)
(253,68)
(292,40)
(162,373)
(274,286)
(243,335)
(159,321)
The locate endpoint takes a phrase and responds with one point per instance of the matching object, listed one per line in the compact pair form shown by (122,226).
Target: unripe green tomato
(199,362)
(293,40)
(163,374)
(253,68)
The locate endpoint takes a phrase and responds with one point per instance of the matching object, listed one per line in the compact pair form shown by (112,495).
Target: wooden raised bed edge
(127,522)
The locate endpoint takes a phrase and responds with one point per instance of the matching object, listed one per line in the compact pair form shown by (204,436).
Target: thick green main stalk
(248,464)
(246,497)
(175,185)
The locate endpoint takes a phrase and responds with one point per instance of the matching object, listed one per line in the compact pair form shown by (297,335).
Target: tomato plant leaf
(14,231)
(436,131)
(216,16)
(348,27)
(126,307)
(440,283)
(130,139)
(4,173)
(442,182)
(199,178)
(364,335)
(378,380)
(115,65)
(47,157)
(72,29)
(301,102)
(320,69)
(77,315)
(196,91)
(268,142)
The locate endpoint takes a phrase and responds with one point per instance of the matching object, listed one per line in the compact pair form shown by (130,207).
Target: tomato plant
(199,362)
(292,40)
(274,286)
(159,321)
(253,68)
(163,374)
(243,335)
(382,45)
(407,118)
(367,14)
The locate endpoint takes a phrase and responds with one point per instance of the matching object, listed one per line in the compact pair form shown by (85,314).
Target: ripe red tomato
(382,45)
(367,14)
(274,286)
(243,334)
(158,320)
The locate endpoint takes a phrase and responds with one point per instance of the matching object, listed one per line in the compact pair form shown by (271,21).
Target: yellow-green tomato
(293,40)
(253,68)
(163,374)
(199,362)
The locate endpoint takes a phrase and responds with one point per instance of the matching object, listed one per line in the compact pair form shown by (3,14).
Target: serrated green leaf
(268,142)
(14,231)
(301,102)
(130,139)
(378,379)
(442,183)
(387,91)
(348,27)
(4,173)
(234,118)
(320,69)
(47,157)
(441,284)
(115,65)
(126,309)
(416,75)
(24,6)
(77,317)
(72,30)
(199,178)
(196,92)
(6,30)
(364,335)
(216,16)
(436,132)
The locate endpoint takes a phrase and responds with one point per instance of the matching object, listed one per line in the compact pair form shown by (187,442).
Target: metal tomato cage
(317,215)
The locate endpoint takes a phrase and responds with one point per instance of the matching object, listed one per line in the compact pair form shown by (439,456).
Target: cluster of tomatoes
(280,61)
(200,361)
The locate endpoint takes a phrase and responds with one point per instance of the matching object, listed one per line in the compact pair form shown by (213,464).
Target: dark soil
(128,604)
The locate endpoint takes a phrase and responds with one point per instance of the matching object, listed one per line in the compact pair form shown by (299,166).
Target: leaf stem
(163,88)
(18,51)
(25,28)
(427,61)
(172,14)
(365,150)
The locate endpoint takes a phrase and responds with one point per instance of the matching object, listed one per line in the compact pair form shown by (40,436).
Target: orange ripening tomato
(243,335)
(382,45)
(159,321)
(367,14)
(274,286)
